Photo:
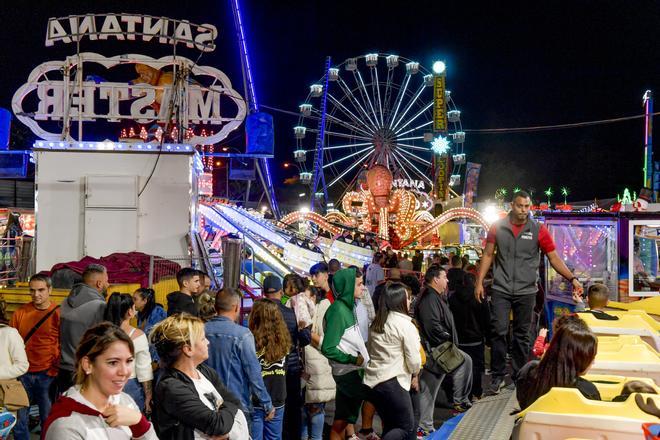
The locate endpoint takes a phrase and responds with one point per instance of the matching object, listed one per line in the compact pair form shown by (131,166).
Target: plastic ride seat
(622,359)
(637,323)
(565,413)
(611,386)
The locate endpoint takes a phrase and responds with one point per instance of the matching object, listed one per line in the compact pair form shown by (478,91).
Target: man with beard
(81,310)
(519,241)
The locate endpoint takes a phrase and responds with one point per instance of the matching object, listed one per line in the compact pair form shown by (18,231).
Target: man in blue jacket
(233,356)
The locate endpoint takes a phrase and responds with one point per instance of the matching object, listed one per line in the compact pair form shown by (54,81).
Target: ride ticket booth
(618,249)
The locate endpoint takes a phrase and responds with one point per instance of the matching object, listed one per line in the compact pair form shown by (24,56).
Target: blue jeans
(313,416)
(36,385)
(267,430)
(134,389)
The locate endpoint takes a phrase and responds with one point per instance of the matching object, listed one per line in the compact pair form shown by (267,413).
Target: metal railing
(15,260)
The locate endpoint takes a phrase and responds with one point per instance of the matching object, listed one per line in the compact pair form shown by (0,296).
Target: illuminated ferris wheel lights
(454,115)
(333,74)
(459,159)
(371,59)
(305,109)
(392,61)
(458,137)
(440,145)
(412,67)
(454,180)
(378,111)
(316,90)
(439,67)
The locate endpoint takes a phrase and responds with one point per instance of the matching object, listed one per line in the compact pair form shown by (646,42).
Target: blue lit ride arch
(248,84)
(379,111)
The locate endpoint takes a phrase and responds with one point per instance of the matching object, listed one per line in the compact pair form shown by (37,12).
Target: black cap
(272,284)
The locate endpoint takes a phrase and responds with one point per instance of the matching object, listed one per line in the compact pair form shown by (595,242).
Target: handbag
(447,357)
(13,395)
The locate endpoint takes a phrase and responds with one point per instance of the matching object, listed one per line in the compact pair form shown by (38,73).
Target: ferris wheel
(378,110)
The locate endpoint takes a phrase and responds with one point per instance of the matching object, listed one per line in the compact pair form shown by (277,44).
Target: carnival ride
(379,110)
(270,248)
(366,143)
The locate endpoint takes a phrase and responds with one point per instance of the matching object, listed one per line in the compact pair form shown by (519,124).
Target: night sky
(510,64)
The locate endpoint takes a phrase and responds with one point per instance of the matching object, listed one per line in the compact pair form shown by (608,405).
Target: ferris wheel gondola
(379,110)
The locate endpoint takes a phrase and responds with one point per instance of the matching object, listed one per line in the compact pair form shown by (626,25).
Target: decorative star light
(440,145)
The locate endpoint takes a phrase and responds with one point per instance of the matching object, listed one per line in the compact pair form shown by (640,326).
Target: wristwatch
(572,279)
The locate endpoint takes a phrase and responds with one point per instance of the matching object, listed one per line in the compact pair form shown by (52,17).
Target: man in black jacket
(472,320)
(436,326)
(182,301)
(272,289)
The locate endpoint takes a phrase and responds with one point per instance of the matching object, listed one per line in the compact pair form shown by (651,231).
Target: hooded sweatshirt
(179,302)
(339,318)
(73,416)
(82,309)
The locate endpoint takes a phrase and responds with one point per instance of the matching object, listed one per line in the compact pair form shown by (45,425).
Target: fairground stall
(618,249)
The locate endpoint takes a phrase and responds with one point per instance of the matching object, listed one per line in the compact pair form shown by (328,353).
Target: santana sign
(128,26)
(414,185)
(144,99)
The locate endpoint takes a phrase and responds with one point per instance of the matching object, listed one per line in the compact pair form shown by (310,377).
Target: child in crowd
(634,386)
(541,345)
(597,296)
(571,352)
(303,302)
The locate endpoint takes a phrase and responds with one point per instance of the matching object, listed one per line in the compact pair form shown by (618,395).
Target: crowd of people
(359,342)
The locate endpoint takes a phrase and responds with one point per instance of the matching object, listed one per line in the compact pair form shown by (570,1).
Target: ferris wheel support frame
(318,176)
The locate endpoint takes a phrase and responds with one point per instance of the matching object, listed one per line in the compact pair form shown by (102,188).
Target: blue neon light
(246,57)
(253,99)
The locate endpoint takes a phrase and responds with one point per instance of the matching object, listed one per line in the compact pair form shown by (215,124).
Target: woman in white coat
(13,361)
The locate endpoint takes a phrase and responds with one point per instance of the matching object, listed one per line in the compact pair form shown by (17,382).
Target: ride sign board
(129,26)
(143,99)
(410,184)
(439,105)
(472,171)
(441,176)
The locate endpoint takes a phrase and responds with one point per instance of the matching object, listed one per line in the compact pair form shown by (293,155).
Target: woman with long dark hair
(395,362)
(272,342)
(149,311)
(120,310)
(571,352)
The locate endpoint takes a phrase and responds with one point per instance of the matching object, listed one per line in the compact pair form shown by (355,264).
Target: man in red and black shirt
(519,241)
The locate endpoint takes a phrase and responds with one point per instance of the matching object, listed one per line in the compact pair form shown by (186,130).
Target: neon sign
(129,26)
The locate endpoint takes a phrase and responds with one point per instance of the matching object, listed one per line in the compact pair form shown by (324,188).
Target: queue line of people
(297,334)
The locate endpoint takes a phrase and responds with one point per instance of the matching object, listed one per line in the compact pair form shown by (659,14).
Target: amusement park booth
(618,249)
(92,202)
